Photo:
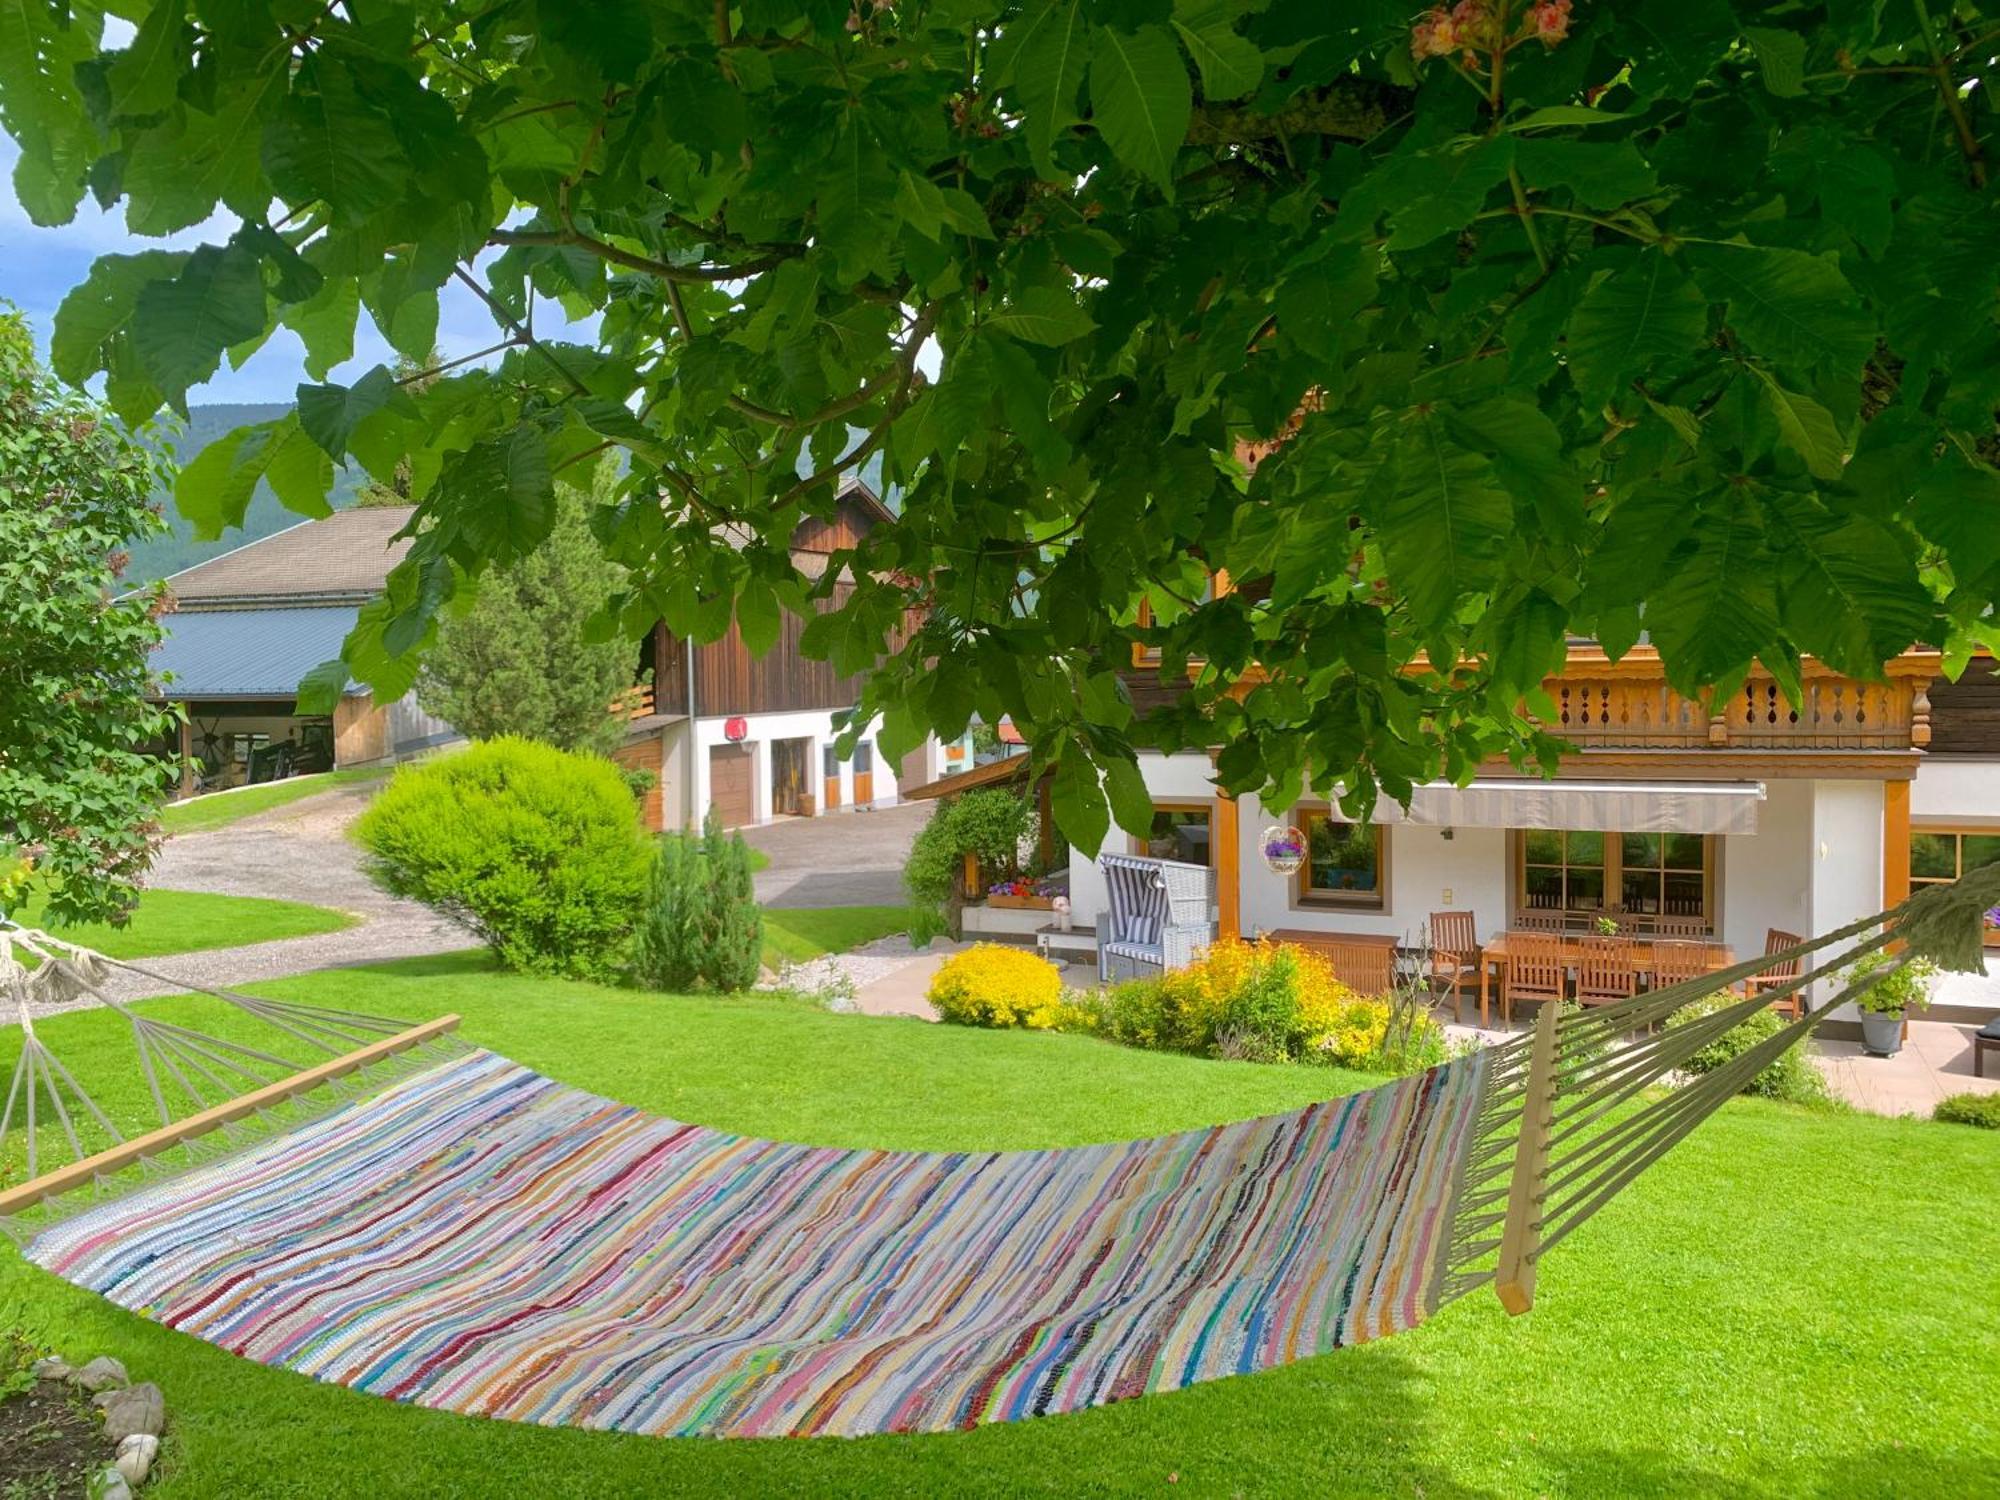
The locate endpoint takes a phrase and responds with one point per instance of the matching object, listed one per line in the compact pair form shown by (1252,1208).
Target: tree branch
(514,326)
(631,261)
(919,330)
(906,366)
(1351,109)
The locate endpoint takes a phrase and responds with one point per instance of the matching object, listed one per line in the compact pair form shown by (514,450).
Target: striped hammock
(466,1234)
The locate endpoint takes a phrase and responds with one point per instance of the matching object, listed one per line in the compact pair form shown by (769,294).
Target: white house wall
(1961,791)
(1846,856)
(1424,866)
(815,725)
(677,798)
(1765,880)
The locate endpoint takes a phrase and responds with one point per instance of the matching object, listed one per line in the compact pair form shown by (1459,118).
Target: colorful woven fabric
(481,1239)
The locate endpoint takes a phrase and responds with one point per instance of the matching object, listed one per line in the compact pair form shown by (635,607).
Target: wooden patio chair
(1680,927)
(1536,970)
(1676,960)
(1791,1006)
(1455,956)
(1366,968)
(1540,921)
(1605,973)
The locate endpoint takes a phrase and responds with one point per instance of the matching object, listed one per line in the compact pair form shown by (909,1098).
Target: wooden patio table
(1313,937)
(1494,954)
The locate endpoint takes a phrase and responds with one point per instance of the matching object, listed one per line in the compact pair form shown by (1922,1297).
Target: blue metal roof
(248,653)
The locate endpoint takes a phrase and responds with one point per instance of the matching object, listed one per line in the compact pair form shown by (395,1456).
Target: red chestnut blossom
(1551,21)
(1434,35)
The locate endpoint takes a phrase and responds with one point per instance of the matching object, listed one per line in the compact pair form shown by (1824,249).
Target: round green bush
(1982,1110)
(537,850)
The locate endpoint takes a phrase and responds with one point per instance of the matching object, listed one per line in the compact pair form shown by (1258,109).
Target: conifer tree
(518,661)
(734,927)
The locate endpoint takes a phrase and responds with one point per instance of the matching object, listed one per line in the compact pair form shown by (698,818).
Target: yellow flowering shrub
(993,984)
(1268,1002)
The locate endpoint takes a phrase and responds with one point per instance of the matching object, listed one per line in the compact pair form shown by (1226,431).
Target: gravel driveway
(299,852)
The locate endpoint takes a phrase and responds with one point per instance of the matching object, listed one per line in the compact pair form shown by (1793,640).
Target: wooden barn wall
(1965,715)
(729,680)
(845,528)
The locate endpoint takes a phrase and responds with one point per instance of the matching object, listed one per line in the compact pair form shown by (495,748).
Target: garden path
(298,852)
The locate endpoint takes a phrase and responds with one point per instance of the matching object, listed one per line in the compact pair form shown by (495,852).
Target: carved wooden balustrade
(1833,713)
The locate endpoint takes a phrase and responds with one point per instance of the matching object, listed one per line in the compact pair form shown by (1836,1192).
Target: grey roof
(248,653)
(346,555)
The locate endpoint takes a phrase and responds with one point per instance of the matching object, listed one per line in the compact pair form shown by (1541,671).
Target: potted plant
(1606,926)
(1885,1000)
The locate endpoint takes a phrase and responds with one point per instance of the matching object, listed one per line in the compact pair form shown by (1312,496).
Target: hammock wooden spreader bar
(125,1154)
(209,1071)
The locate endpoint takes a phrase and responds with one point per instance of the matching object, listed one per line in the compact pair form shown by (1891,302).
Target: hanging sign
(735,729)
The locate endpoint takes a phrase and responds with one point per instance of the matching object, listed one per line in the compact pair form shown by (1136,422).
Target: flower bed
(1250,1002)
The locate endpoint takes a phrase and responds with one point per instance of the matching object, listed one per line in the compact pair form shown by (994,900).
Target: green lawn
(188,921)
(1789,1305)
(793,934)
(219,809)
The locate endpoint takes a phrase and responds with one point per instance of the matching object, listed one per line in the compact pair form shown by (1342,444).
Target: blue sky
(38,267)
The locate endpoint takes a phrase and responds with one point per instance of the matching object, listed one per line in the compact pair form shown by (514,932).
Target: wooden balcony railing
(1834,713)
(634,703)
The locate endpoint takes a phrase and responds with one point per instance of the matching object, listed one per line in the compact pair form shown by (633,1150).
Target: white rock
(101,1374)
(141,1409)
(135,1456)
(111,1485)
(53,1369)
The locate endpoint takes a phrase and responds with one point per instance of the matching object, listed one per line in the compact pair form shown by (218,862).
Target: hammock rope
(636,1264)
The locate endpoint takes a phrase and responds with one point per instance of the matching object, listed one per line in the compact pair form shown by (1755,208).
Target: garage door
(730,784)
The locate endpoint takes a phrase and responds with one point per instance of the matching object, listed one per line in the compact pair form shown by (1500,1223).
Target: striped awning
(1627,806)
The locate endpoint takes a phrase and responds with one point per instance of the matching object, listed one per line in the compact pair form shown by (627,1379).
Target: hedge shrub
(539,851)
(1792,1077)
(990,824)
(1982,1110)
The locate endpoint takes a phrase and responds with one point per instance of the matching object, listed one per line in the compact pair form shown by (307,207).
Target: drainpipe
(692,820)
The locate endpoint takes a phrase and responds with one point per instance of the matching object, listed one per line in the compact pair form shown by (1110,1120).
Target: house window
(1562,870)
(1180,831)
(1663,874)
(1344,863)
(864,758)
(1940,855)
(1586,873)
(829,762)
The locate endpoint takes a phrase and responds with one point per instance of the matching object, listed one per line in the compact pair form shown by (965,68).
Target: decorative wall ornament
(1284,848)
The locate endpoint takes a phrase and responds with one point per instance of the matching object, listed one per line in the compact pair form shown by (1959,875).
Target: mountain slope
(172,551)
